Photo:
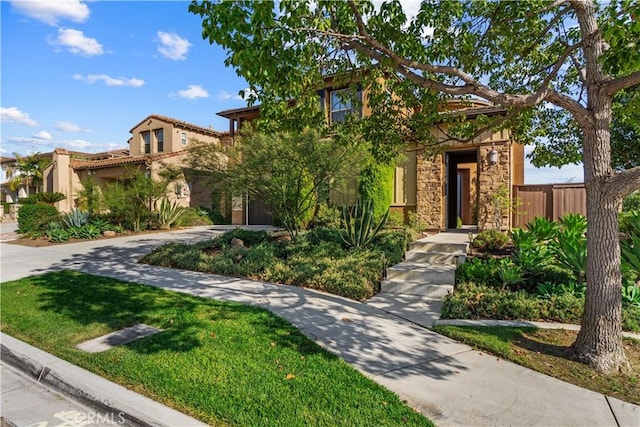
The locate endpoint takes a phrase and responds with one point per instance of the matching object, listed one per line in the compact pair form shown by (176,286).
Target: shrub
(631,202)
(326,216)
(481,271)
(490,240)
(395,220)
(483,302)
(36,218)
(48,198)
(470,301)
(195,216)
(315,259)
(249,237)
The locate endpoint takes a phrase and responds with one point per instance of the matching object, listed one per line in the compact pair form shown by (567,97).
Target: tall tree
(30,171)
(291,172)
(554,65)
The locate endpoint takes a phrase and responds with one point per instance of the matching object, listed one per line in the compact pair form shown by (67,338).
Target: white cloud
(50,12)
(14,115)
(68,127)
(78,143)
(20,139)
(193,92)
(77,43)
(172,46)
(42,135)
(108,80)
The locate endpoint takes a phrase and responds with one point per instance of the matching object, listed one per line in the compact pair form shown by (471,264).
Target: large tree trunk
(599,341)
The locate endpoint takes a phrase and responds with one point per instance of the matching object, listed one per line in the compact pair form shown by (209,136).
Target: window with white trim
(159,135)
(146,139)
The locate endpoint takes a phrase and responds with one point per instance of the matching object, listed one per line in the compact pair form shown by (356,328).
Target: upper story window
(183,138)
(342,105)
(146,138)
(159,135)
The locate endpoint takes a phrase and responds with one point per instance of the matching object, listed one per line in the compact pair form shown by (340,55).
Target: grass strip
(223,363)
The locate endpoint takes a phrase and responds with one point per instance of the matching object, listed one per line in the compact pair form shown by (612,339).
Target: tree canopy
(554,66)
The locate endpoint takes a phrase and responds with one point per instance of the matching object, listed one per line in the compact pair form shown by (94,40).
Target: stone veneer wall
(491,178)
(429,190)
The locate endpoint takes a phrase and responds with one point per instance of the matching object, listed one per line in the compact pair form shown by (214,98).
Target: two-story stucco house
(440,189)
(156,141)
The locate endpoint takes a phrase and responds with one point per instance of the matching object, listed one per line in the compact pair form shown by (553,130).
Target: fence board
(550,201)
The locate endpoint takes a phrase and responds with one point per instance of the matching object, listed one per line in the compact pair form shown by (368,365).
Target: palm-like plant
(30,171)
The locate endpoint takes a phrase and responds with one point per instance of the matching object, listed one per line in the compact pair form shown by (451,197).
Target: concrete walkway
(447,381)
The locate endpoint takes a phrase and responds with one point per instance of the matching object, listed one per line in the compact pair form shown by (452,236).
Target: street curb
(89,388)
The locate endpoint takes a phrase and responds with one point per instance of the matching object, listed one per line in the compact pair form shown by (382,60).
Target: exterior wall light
(493,156)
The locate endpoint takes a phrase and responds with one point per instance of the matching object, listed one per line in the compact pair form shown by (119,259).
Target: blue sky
(79,74)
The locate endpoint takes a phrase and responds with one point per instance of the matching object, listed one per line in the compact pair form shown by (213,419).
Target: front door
(459,177)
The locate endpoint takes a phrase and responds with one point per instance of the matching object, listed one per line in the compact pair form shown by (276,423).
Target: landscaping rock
(237,243)
(109,233)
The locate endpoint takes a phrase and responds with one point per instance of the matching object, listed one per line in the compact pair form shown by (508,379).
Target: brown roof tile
(117,161)
(180,124)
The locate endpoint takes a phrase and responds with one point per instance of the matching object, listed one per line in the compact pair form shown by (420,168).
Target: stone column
(494,188)
(429,190)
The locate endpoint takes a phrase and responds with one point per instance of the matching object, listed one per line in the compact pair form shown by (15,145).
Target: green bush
(395,220)
(36,218)
(482,271)
(490,240)
(48,198)
(192,217)
(631,202)
(326,216)
(376,184)
(315,259)
(470,301)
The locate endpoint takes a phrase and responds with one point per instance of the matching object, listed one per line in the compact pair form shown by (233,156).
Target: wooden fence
(549,200)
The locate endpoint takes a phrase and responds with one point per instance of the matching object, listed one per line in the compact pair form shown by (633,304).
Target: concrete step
(422,272)
(431,290)
(435,257)
(427,246)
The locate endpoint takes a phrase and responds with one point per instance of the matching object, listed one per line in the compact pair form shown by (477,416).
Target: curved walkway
(449,382)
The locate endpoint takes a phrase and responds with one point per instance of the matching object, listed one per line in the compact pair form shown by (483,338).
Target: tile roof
(180,124)
(117,161)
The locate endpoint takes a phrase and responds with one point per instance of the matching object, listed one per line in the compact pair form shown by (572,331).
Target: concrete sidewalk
(447,381)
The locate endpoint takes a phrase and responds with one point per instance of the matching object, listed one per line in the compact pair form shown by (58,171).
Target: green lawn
(223,363)
(549,351)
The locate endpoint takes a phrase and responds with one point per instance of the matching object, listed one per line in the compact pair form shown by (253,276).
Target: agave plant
(168,213)
(544,229)
(574,224)
(360,227)
(571,252)
(510,274)
(75,218)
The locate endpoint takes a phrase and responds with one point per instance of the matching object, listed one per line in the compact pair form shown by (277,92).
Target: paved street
(26,402)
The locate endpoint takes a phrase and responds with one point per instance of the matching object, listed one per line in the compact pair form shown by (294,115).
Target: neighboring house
(8,172)
(12,188)
(438,189)
(156,142)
